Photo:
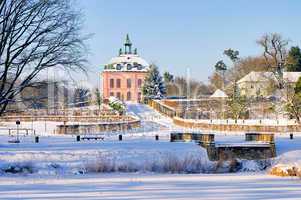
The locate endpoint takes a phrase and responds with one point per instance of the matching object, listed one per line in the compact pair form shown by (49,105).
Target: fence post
(37,139)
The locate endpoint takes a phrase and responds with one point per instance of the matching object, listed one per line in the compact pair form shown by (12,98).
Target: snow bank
(159,161)
(103,162)
(65,156)
(288,164)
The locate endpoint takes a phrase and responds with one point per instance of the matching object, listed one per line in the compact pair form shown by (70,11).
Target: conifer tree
(293,104)
(293,61)
(153,86)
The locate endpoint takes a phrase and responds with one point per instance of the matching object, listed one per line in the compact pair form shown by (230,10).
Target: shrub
(18,168)
(116,105)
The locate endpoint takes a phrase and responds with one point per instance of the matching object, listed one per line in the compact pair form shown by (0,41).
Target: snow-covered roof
(219,94)
(266,76)
(127,62)
(291,76)
(256,76)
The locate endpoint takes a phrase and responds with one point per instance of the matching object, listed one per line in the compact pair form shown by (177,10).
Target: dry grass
(285,171)
(167,163)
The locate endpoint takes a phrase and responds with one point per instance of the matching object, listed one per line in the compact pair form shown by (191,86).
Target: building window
(252,86)
(128,96)
(111,94)
(118,66)
(111,83)
(139,83)
(118,83)
(118,95)
(129,83)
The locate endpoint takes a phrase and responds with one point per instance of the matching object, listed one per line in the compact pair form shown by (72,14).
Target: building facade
(123,76)
(260,84)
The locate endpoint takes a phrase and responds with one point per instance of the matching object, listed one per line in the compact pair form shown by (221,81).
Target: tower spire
(127,45)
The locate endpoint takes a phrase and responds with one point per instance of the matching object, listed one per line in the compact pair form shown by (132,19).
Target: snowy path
(159,186)
(145,113)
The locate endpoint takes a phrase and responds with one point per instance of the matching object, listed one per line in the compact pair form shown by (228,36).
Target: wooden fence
(77,129)
(236,127)
(61,118)
(162,108)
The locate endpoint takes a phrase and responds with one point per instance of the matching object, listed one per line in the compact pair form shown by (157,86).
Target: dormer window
(135,65)
(139,67)
(118,66)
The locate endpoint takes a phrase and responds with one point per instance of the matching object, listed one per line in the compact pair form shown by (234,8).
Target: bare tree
(36,35)
(180,85)
(275,52)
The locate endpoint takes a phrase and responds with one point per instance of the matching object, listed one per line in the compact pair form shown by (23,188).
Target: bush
(18,168)
(116,105)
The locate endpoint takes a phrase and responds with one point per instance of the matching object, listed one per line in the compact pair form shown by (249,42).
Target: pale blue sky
(177,35)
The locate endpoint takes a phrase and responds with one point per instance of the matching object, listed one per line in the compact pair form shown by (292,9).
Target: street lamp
(18,124)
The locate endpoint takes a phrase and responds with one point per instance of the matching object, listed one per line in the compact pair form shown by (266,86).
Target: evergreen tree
(237,104)
(298,87)
(220,66)
(293,62)
(153,84)
(293,104)
(98,98)
(232,54)
(168,77)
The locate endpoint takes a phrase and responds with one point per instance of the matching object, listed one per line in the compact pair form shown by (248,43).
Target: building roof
(292,76)
(219,94)
(266,76)
(127,60)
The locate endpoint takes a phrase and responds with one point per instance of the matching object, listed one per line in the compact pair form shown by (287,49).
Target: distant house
(124,75)
(259,84)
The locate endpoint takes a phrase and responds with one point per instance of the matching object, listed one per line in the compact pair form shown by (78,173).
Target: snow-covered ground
(65,169)
(151,186)
(63,155)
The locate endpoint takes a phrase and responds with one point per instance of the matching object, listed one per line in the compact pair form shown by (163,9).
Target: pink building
(123,76)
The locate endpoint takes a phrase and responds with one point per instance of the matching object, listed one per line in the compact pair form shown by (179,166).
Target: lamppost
(18,124)
(220,66)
